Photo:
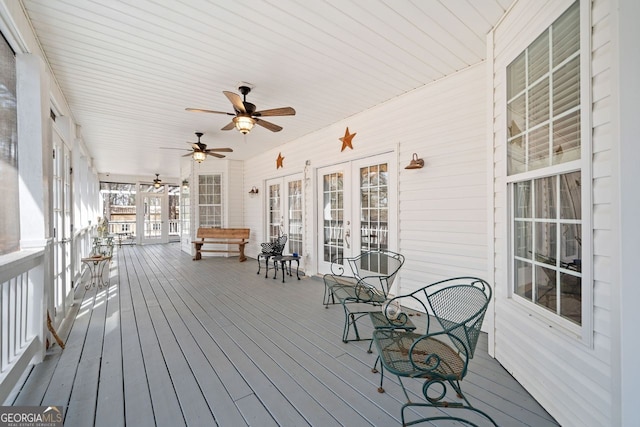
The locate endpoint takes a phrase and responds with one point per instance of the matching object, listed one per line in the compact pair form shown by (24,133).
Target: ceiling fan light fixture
(199,156)
(157,181)
(244,123)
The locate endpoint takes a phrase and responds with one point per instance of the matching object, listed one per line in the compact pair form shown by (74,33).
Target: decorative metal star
(346,139)
(279,161)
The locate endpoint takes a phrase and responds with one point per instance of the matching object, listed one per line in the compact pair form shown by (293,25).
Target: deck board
(177,342)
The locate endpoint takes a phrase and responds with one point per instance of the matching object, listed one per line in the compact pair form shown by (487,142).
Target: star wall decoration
(279,161)
(346,139)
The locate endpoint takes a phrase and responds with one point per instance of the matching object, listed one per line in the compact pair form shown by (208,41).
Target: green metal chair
(441,355)
(360,284)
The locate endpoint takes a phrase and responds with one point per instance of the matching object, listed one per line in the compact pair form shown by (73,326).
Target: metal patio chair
(441,355)
(360,284)
(269,250)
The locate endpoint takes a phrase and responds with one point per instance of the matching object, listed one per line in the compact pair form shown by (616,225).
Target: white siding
(442,207)
(569,375)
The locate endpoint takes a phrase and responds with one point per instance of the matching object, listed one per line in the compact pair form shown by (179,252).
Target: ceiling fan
(199,150)
(246,115)
(157,182)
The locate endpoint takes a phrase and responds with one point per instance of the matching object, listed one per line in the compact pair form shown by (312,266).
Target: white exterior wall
(442,207)
(569,375)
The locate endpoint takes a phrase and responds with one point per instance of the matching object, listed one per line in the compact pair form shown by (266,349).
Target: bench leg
(241,249)
(198,253)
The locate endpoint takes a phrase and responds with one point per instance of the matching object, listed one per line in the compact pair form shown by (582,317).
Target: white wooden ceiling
(129,68)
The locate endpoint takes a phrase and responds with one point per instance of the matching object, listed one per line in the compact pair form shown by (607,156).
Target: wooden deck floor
(174,342)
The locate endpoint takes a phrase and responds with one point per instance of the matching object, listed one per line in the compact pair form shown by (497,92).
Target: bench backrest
(223,233)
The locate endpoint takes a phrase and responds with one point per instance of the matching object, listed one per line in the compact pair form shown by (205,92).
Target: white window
(545,170)
(210,200)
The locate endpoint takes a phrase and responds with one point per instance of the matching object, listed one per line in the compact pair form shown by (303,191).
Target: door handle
(347,235)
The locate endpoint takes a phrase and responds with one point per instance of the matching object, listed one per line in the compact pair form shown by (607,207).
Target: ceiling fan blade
(187,155)
(229,126)
(283,111)
(268,125)
(200,110)
(171,148)
(220,156)
(236,100)
(222,150)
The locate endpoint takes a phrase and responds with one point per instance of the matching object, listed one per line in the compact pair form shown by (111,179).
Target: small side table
(96,266)
(283,259)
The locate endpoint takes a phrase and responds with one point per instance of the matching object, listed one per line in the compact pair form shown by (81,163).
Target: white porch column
(35,186)
(627,87)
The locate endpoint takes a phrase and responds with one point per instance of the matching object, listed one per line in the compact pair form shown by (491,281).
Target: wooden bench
(221,236)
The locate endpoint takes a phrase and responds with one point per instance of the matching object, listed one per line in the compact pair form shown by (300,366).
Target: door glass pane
(185,208)
(274,214)
(174,211)
(374,207)
(333,213)
(152,217)
(294,191)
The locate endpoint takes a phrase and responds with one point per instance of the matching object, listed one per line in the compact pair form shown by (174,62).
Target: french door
(152,215)
(285,203)
(62,232)
(357,204)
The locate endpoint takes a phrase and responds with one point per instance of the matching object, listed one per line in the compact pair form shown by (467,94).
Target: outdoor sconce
(253,190)
(415,163)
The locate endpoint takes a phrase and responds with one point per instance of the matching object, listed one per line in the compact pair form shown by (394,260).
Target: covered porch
(176,342)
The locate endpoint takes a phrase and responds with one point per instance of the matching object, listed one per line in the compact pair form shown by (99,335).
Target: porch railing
(152,228)
(23,280)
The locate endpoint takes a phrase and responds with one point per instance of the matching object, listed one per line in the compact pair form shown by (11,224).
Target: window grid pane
(210,201)
(541,94)
(547,248)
